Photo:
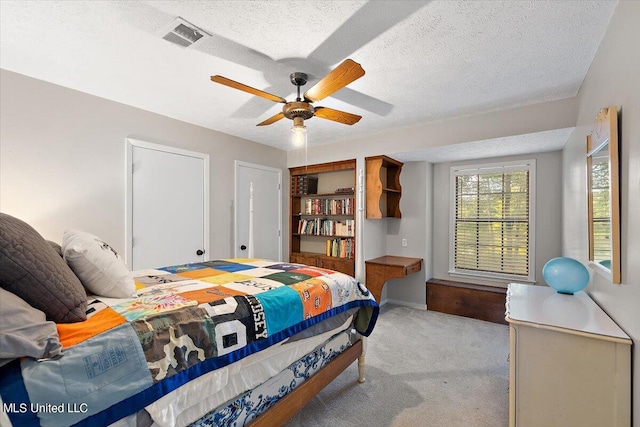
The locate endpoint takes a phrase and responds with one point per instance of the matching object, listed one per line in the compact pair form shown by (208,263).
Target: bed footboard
(289,405)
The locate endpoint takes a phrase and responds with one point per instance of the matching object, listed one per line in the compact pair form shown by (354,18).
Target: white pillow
(100,269)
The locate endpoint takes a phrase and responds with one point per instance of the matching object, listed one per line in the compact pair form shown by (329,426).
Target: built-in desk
(379,270)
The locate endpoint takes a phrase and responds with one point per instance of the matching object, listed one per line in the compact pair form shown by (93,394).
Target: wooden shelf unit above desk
(383,187)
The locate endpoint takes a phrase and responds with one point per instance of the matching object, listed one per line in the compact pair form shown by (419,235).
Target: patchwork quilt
(187,320)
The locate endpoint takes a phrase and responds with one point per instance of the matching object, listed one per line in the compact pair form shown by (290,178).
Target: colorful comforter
(187,320)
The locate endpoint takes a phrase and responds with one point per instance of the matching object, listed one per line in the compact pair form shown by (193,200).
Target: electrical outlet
(404,243)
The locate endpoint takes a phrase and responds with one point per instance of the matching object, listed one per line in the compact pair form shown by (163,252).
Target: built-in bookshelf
(322,225)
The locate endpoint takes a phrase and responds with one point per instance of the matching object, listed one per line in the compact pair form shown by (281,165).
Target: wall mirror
(603,195)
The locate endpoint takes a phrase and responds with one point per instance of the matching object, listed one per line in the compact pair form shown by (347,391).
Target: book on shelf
(304,184)
(345,190)
(344,206)
(341,248)
(326,227)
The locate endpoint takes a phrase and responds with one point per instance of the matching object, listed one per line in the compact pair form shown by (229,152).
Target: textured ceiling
(539,142)
(424,61)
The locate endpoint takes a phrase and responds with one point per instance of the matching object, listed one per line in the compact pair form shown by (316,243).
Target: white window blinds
(600,194)
(492,220)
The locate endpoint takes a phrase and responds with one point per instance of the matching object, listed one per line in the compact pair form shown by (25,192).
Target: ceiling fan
(302,109)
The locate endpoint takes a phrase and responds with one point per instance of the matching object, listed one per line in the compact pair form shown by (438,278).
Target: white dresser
(569,363)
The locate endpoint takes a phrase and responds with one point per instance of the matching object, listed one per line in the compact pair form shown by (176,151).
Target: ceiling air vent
(182,33)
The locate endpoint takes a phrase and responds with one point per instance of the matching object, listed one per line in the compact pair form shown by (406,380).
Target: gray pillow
(32,270)
(24,331)
(56,247)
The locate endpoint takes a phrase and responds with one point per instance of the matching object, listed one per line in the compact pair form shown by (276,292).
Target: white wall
(62,161)
(548,214)
(416,227)
(613,79)
(370,235)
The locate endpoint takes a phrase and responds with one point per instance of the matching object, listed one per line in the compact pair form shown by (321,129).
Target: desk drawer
(413,268)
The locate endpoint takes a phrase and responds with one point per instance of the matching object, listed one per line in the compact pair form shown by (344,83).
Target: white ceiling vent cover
(182,33)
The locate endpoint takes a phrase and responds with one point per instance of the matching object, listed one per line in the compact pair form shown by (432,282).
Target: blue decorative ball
(565,275)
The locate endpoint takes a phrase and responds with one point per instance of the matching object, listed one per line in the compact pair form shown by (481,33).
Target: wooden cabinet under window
(383,187)
(322,224)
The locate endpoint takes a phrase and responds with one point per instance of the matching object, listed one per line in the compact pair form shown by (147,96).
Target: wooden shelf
(383,187)
(325,167)
(343,265)
(325,236)
(322,216)
(310,249)
(332,195)
(317,255)
(391,190)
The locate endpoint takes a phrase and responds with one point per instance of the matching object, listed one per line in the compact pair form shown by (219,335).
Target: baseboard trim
(404,304)
(481,302)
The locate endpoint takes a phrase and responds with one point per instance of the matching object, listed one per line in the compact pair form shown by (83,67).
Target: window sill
(495,279)
(600,269)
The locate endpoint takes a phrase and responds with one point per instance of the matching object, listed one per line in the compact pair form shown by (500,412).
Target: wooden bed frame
(289,405)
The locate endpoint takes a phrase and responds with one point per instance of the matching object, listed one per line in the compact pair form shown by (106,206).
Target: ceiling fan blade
(271,119)
(336,115)
(341,76)
(232,83)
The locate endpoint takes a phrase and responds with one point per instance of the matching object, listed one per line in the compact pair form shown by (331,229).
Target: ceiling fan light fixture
(299,130)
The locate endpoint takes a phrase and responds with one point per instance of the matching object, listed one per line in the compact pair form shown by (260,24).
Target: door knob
(199,252)
(243,247)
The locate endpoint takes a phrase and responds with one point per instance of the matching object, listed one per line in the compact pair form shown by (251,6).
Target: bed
(221,342)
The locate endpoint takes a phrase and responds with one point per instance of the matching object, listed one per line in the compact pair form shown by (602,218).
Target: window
(492,223)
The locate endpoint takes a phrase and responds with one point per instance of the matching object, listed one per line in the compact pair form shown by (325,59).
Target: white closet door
(267,211)
(169,201)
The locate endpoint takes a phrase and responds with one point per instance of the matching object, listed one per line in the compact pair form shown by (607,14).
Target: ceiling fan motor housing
(298,78)
(298,108)
(295,109)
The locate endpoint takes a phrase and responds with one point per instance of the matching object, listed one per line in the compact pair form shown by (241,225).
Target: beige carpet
(423,369)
